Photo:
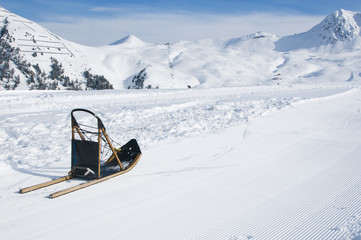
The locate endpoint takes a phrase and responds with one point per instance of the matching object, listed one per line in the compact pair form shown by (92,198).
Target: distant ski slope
(232,163)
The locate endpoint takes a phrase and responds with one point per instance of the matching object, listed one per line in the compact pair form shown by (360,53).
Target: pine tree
(97,82)
(139,79)
(56,69)
(9,54)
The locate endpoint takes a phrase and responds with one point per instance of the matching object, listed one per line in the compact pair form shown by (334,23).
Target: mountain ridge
(257,58)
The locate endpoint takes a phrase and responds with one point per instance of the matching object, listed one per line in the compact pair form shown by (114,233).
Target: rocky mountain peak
(341,26)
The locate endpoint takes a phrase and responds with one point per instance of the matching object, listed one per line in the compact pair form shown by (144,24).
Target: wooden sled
(93,156)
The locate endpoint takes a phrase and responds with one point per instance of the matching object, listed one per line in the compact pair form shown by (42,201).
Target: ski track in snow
(266,162)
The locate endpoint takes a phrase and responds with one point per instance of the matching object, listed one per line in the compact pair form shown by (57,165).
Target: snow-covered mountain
(130,41)
(341,26)
(35,58)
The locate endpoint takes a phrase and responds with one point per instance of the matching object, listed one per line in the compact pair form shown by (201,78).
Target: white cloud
(173,27)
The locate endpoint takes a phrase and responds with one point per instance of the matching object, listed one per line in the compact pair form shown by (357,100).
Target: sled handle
(75,123)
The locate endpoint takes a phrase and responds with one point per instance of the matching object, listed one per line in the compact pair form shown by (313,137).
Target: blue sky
(99,22)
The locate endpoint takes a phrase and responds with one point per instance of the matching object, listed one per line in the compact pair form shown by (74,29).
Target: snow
(257,162)
(254,137)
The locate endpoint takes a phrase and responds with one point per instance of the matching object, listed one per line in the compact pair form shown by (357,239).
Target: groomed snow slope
(276,162)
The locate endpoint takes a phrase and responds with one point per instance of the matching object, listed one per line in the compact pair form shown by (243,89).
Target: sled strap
(88,170)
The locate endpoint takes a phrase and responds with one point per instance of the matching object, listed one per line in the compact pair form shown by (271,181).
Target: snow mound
(340,27)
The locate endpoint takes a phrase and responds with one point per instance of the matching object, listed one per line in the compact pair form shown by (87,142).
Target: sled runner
(93,155)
